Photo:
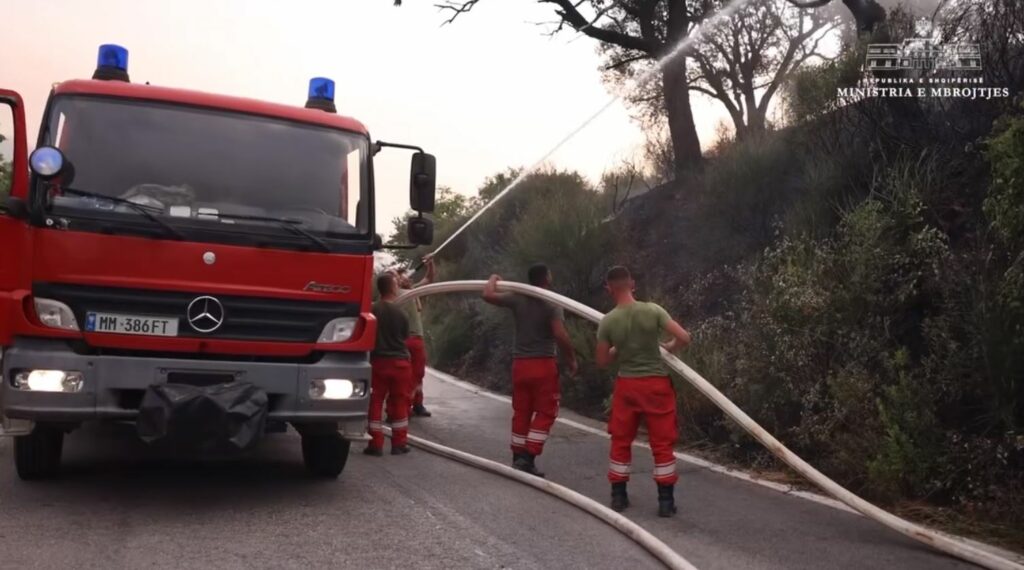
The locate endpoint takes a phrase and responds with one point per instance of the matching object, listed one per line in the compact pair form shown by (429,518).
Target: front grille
(200,378)
(245,318)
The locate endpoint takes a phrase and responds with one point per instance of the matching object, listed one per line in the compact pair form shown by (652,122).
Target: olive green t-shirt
(392,330)
(414,312)
(533,317)
(635,330)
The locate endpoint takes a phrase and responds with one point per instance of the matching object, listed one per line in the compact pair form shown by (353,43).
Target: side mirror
(13,207)
(421,231)
(423,182)
(47,162)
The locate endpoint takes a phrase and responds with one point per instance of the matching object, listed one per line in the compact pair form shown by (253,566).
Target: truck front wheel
(325,455)
(37,455)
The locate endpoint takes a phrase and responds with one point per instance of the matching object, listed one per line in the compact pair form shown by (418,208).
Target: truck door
(14,230)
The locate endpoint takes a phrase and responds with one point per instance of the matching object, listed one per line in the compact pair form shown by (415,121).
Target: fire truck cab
(198,265)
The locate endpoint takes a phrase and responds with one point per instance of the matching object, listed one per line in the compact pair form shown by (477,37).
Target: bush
(553,217)
(1003,296)
(861,301)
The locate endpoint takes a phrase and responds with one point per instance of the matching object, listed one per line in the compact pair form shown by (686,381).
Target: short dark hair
(617,273)
(385,283)
(538,274)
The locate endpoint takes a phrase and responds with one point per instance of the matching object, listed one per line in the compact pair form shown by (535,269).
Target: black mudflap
(231,415)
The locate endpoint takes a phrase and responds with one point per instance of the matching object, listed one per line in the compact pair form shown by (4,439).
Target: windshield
(197,166)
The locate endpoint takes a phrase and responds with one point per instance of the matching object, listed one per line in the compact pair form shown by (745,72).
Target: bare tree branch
(458,8)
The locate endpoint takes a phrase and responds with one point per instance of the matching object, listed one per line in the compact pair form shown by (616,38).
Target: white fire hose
(946,543)
(645,539)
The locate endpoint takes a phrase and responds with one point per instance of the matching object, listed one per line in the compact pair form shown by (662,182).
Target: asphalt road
(723,523)
(119,505)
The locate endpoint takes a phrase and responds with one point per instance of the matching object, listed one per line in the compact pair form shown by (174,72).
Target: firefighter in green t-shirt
(630,335)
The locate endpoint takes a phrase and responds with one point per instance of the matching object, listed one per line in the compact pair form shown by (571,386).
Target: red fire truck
(197,265)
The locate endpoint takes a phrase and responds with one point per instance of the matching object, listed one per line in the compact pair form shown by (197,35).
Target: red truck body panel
(34,255)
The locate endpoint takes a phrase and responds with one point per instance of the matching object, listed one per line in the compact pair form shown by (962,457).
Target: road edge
(595,427)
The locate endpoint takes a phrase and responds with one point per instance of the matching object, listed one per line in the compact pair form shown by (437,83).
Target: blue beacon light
(321,95)
(111,63)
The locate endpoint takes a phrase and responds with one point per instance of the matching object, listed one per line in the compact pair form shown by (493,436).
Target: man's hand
(430,277)
(574,367)
(491,294)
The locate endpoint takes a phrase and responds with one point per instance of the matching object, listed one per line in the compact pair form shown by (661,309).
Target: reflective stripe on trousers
(653,400)
(618,468)
(390,382)
(535,398)
(537,436)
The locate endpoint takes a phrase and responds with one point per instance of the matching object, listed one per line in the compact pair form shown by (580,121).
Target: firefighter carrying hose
(417,349)
(392,371)
(535,392)
(630,334)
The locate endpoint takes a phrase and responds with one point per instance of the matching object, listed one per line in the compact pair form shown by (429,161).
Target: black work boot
(519,461)
(620,500)
(420,411)
(373,451)
(525,463)
(666,500)
(401,450)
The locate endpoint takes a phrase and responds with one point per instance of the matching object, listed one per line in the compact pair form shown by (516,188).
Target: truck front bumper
(113,386)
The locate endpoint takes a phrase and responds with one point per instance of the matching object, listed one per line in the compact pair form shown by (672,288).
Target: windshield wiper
(286,223)
(144,210)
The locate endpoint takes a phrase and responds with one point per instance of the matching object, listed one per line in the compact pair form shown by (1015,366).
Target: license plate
(130,324)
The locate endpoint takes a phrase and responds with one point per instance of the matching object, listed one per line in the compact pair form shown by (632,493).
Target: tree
(646,30)
(5,172)
(742,63)
(867,13)
(450,209)
(745,62)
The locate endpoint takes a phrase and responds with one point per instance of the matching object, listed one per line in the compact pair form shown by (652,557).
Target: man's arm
(428,260)
(605,354)
(564,344)
(491,294)
(680,337)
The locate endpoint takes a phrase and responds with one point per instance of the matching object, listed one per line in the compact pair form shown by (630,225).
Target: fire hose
(646,540)
(683,45)
(943,542)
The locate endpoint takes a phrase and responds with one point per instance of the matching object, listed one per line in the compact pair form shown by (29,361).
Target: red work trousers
(418,357)
(390,384)
(652,399)
(535,398)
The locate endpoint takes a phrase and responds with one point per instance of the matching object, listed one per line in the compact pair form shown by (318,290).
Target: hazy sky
(485,93)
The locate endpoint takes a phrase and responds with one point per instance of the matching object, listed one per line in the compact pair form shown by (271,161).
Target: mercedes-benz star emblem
(205,314)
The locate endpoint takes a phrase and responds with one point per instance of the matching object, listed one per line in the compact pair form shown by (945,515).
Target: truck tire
(37,455)
(325,455)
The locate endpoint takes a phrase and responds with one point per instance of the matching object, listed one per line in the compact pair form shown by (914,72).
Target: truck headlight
(339,330)
(336,389)
(49,381)
(55,314)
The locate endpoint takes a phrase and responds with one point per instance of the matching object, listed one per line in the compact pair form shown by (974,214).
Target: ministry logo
(923,68)
(923,54)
